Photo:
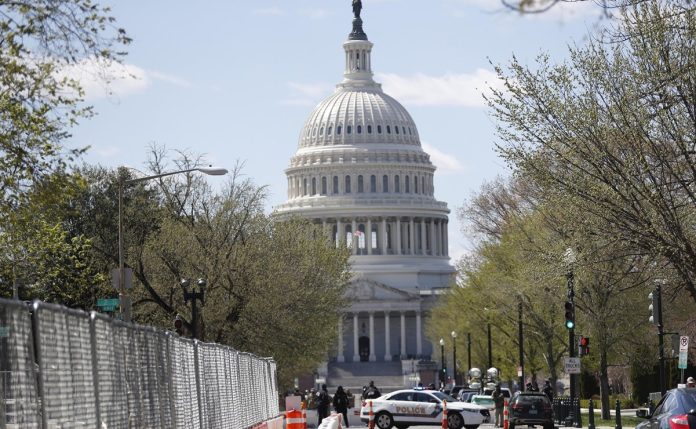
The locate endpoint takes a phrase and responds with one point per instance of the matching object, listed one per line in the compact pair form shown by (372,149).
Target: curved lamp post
(442,366)
(454,356)
(124,299)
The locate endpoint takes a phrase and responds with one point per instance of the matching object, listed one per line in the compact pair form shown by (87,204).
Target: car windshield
(689,399)
(487,400)
(441,396)
(531,399)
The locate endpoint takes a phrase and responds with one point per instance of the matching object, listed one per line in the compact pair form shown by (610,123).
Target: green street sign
(107,302)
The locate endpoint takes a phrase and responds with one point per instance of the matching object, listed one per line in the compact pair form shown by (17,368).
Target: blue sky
(235,80)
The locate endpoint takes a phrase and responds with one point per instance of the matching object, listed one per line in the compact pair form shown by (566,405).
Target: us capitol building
(361,173)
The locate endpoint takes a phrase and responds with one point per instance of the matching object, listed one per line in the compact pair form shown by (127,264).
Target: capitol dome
(360,172)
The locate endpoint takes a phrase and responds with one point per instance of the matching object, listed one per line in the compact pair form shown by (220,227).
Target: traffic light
(584,346)
(178,325)
(654,307)
(569,315)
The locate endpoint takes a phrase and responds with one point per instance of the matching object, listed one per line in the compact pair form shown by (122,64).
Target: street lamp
(442,357)
(569,259)
(454,356)
(193,296)
(123,298)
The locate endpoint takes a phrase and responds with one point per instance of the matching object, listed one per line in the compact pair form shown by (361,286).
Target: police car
(403,408)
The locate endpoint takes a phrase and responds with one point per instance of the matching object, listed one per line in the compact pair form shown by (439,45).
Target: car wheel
(454,421)
(384,421)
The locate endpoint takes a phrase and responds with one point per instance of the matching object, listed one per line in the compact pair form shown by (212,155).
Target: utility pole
(656,319)
(468,350)
(490,347)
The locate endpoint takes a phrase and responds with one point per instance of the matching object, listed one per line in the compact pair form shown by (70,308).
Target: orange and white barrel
(445,425)
(506,415)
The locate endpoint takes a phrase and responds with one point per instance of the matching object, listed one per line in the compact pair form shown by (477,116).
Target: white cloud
(452,89)
(274,10)
(307,94)
(445,163)
(106,79)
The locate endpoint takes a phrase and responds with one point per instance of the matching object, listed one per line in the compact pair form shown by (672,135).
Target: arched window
(304,187)
(335,185)
(396,129)
(314,185)
(323,185)
(338,129)
(409,131)
(347,184)
(360,184)
(423,185)
(321,131)
(359,129)
(379,129)
(373,183)
(415,185)
(404,130)
(385,183)
(397,185)
(388,129)
(348,129)
(407,184)
(369,129)
(314,131)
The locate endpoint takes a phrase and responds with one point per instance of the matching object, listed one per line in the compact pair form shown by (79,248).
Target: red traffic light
(584,341)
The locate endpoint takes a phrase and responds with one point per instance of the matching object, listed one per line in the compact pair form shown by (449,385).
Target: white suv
(404,408)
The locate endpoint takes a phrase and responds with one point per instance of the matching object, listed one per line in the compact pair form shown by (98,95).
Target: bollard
(444,415)
(590,423)
(618,415)
(371,418)
(578,416)
(506,415)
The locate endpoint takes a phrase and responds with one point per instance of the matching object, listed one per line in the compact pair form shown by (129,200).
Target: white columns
(446,239)
(403,335)
(383,239)
(340,356)
(373,357)
(398,236)
(340,236)
(354,238)
(356,355)
(368,237)
(433,239)
(422,234)
(412,236)
(419,339)
(387,338)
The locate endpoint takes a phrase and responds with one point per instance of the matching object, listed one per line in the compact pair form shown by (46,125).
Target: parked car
(676,410)
(466,395)
(404,408)
(456,390)
(485,401)
(530,408)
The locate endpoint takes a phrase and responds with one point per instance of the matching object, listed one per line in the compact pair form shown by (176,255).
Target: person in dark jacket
(372,392)
(323,403)
(548,390)
(340,403)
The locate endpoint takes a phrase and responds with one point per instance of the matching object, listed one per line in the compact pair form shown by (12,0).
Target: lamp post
(468,350)
(490,347)
(520,339)
(193,296)
(454,357)
(442,357)
(123,298)
(569,259)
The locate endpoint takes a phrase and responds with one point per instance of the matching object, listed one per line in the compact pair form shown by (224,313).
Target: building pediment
(364,289)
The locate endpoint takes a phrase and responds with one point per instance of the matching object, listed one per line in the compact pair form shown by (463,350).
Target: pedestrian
(548,390)
(499,401)
(372,392)
(690,382)
(323,403)
(340,404)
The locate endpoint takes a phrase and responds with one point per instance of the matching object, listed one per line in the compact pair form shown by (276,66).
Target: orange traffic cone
(371,420)
(506,415)
(444,415)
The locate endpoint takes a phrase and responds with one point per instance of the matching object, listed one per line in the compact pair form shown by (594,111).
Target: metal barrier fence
(66,368)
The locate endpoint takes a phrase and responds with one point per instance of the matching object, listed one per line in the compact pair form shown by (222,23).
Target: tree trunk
(604,384)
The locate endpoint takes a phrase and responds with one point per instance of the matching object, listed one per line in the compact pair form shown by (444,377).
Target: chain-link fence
(66,368)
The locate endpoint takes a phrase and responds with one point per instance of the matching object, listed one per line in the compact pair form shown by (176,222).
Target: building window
(373,183)
(321,131)
(397,185)
(335,184)
(388,129)
(423,185)
(360,184)
(415,185)
(404,130)
(338,129)
(396,129)
(407,185)
(359,129)
(379,129)
(369,129)
(314,185)
(328,131)
(347,184)
(385,183)
(323,185)
(348,129)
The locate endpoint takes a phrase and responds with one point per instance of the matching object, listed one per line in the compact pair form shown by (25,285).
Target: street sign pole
(683,354)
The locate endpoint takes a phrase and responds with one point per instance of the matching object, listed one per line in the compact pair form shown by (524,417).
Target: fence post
(39,358)
(578,416)
(618,415)
(197,370)
(590,423)
(95,370)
